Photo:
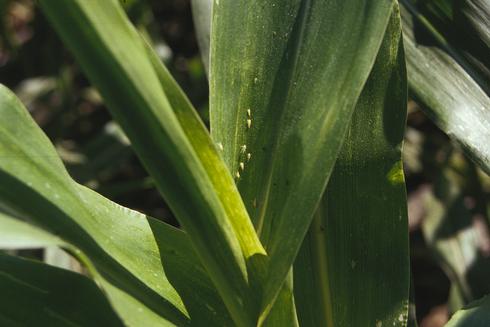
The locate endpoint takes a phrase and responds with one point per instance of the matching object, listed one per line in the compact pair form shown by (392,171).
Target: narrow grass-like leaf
(353,269)
(35,294)
(284,80)
(448,93)
(476,314)
(147,259)
(116,61)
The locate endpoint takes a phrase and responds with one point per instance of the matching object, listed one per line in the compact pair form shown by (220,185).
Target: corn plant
(292,206)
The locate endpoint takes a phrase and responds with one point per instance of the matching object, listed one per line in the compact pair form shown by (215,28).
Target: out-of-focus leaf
(57,257)
(35,294)
(101,155)
(476,314)
(457,232)
(201,13)
(145,259)
(17,235)
(31,89)
(447,92)
(284,80)
(353,269)
(171,141)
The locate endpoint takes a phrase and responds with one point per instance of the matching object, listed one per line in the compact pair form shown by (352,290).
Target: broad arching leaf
(146,261)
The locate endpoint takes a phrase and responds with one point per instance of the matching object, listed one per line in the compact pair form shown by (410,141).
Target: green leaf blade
(118,63)
(282,95)
(353,269)
(449,93)
(128,249)
(35,294)
(476,314)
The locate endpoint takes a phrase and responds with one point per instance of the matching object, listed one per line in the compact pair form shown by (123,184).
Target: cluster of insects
(243,148)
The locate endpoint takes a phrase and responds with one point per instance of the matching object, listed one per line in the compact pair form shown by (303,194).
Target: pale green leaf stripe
(35,294)
(448,94)
(137,254)
(284,80)
(476,314)
(116,61)
(198,135)
(353,269)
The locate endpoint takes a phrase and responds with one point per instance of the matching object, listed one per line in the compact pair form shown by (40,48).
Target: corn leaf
(451,92)
(144,258)
(459,26)
(183,162)
(283,312)
(353,269)
(476,314)
(43,289)
(130,310)
(282,95)
(181,265)
(17,235)
(201,14)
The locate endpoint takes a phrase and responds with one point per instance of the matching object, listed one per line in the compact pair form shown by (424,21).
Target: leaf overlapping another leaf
(135,258)
(282,96)
(176,150)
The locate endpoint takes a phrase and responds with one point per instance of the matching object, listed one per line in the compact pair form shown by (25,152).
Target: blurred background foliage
(448,195)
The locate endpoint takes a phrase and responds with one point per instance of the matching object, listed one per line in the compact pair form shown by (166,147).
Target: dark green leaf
(35,294)
(353,269)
